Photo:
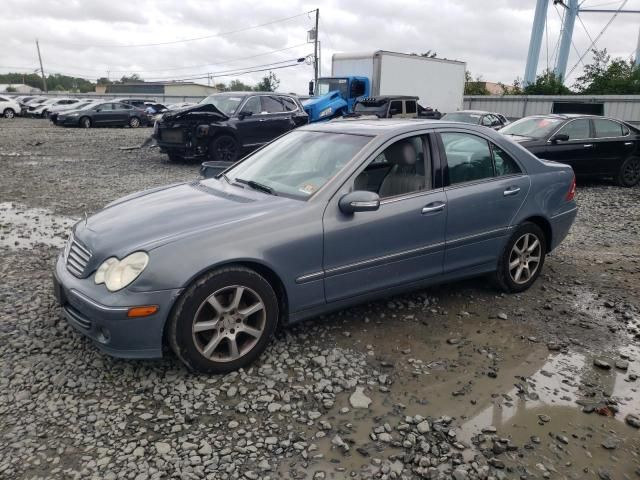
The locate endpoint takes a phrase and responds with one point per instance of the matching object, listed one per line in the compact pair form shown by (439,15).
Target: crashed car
(224,126)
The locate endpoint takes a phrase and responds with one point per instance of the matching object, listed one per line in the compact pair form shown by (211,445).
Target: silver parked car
(326,216)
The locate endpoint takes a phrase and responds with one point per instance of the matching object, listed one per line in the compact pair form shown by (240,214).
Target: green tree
(547,84)
(133,78)
(238,86)
(270,83)
(11,89)
(221,87)
(474,87)
(607,76)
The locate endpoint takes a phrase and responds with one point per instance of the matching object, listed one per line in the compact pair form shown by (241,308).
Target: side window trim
(623,128)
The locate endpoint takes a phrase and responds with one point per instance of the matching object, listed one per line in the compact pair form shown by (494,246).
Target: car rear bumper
(561,224)
(108,326)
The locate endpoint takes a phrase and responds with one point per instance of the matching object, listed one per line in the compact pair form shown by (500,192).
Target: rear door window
(607,128)
(411,106)
(272,104)
(468,157)
(505,165)
(289,104)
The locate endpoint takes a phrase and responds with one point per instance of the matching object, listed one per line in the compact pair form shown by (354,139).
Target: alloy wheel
(226,150)
(134,123)
(631,172)
(9,113)
(229,323)
(524,259)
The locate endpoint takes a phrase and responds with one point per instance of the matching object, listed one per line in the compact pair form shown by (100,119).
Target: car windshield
(534,127)
(364,107)
(227,104)
(326,85)
(464,117)
(298,164)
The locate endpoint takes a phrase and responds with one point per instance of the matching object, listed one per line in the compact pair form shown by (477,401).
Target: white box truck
(438,83)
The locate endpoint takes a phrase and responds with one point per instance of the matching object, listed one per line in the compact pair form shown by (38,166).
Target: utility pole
(315,50)
(44,80)
(536,42)
(638,51)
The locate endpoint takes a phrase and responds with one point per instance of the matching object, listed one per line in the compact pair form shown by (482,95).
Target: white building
(18,88)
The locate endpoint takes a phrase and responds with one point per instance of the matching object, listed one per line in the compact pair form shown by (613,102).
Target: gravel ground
(455,382)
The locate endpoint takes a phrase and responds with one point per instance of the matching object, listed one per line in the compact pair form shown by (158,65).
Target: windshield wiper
(258,186)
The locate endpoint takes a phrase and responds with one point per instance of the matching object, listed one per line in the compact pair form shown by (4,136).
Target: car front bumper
(108,326)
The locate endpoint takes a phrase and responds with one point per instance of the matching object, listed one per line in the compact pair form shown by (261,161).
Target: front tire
(85,122)
(629,174)
(9,113)
(224,320)
(224,148)
(134,122)
(522,259)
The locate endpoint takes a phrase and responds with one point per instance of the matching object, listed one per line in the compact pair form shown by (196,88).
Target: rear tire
(85,122)
(522,259)
(134,122)
(224,148)
(9,113)
(224,320)
(629,174)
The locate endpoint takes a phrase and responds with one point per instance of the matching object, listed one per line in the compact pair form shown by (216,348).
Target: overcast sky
(92,37)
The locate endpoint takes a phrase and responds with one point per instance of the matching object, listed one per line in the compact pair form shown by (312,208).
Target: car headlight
(326,111)
(117,274)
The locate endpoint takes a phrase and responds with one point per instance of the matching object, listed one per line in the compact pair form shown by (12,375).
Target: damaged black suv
(224,126)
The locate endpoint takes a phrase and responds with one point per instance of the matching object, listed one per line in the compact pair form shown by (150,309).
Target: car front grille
(172,135)
(78,258)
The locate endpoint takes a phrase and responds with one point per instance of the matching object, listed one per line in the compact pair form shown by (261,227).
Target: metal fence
(160,98)
(623,107)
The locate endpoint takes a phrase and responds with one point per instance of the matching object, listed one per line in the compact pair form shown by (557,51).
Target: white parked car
(43,109)
(9,108)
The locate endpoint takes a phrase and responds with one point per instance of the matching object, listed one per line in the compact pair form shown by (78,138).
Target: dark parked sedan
(224,126)
(329,215)
(109,114)
(478,117)
(592,145)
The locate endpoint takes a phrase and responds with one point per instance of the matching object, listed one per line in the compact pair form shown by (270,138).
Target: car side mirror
(98,109)
(245,114)
(394,111)
(561,137)
(359,201)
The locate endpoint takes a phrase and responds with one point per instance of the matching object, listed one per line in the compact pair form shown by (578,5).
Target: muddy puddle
(23,228)
(489,374)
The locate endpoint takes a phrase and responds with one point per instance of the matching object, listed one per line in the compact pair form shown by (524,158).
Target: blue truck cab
(336,96)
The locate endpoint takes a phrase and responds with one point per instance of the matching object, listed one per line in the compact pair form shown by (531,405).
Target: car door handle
(433,207)
(588,145)
(263,120)
(511,191)
(628,143)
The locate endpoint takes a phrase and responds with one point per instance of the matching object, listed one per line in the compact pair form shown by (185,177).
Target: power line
(236,74)
(233,60)
(185,40)
(604,29)
(222,72)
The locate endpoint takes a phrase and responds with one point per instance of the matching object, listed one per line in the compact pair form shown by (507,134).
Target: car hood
(521,139)
(152,218)
(206,109)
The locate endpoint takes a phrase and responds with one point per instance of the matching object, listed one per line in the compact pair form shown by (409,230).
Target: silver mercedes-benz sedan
(326,216)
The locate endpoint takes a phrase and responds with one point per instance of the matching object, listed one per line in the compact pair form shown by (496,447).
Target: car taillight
(572,190)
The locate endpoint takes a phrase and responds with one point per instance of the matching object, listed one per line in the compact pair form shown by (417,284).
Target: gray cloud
(79,37)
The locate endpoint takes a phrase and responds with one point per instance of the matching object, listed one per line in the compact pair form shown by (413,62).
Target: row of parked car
(85,112)
(225,126)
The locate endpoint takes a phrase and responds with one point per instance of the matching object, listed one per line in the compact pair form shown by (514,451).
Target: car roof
(477,112)
(387,97)
(243,93)
(564,116)
(374,127)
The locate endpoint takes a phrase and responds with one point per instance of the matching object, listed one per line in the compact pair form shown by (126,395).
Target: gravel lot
(455,382)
